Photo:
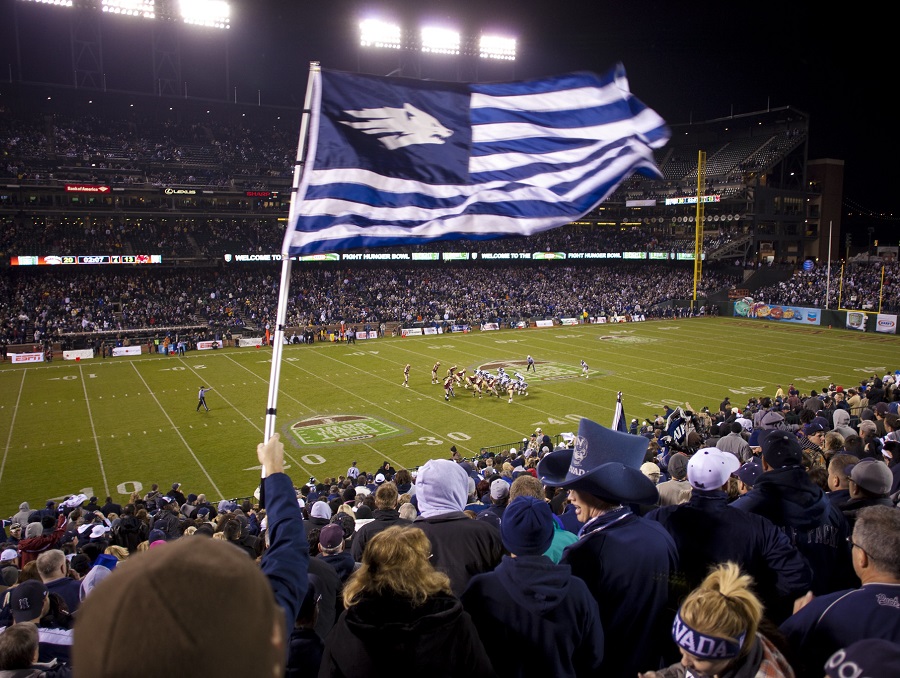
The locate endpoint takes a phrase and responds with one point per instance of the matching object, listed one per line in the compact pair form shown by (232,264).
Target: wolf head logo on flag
(400,127)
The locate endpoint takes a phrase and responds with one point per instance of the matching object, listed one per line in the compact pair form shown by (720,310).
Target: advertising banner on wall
(886,323)
(126,350)
(79,354)
(747,308)
(856,320)
(26,357)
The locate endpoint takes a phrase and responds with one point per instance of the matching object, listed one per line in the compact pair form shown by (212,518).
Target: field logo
(341,428)
(627,339)
(546,370)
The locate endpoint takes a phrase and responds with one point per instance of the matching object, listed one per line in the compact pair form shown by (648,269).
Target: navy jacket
(285,563)
(627,562)
(707,531)
(831,622)
(531,600)
(818,529)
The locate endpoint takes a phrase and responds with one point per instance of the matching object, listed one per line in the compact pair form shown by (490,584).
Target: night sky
(688,61)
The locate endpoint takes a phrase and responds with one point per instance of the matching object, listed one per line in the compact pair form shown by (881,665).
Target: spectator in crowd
(717,631)
(461,547)
(626,561)
(331,550)
(873,658)
(747,475)
(54,571)
(19,645)
(709,532)
(527,599)
(526,485)
(675,490)
(210,580)
(499,501)
(838,480)
(21,517)
(306,647)
(787,497)
(30,601)
(384,516)
(402,611)
(736,443)
(841,420)
(829,622)
(36,542)
(869,485)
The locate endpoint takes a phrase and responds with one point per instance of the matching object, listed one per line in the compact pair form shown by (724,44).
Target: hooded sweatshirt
(531,600)
(841,420)
(21,517)
(461,547)
(818,529)
(442,487)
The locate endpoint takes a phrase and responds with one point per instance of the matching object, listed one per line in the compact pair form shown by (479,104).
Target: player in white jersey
(434,371)
(406,376)
(584,369)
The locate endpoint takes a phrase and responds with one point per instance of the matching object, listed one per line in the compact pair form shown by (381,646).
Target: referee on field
(201,398)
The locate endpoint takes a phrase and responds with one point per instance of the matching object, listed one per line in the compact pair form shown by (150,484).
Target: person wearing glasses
(824,624)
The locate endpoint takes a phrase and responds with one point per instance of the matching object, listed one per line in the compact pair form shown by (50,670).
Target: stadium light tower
(141,8)
(497,47)
(211,13)
(375,33)
(437,40)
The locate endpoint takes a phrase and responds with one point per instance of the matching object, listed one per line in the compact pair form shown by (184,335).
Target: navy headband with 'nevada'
(704,646)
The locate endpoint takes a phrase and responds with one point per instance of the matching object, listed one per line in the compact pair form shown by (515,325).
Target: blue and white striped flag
(395,161)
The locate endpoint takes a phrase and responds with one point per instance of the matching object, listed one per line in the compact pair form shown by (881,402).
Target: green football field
(108,427)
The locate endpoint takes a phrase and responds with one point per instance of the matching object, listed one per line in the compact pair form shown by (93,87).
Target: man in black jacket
(385,515)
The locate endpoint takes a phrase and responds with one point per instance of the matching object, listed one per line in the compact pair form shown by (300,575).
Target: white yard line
(175,428)
(256,426)
(12,425)
(87,403)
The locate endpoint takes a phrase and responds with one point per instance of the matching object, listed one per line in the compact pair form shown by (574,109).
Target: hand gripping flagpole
(284,288)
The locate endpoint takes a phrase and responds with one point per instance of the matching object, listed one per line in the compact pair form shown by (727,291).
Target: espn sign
(26,357)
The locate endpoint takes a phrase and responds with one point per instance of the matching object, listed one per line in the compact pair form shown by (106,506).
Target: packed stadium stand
(202,189)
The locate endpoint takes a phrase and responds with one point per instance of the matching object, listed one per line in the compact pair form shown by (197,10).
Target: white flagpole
(281,315)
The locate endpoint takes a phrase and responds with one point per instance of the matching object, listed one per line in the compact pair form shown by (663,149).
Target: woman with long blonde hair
(717,632)
(397,602)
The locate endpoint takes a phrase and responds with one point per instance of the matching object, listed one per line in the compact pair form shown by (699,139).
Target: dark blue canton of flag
(397,161)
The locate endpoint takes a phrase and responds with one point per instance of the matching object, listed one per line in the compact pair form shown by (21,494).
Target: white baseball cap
(709,468)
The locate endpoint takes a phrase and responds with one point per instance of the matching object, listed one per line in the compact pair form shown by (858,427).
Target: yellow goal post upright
(840,304)
(698,226)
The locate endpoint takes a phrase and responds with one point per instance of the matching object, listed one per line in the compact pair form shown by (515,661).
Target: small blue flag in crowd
(676,426)
(619,416)
(396,161)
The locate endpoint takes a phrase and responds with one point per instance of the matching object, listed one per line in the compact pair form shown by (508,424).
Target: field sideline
(107,427)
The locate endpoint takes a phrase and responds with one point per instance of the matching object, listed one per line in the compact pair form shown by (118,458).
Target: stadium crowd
(51,304)
(760,539)
(205,236)
(862,286)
